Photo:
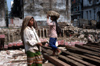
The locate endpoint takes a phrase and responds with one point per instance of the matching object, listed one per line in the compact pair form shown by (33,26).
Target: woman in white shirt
(31,42)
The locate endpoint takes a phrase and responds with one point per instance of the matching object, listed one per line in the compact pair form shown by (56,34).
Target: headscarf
(24,25)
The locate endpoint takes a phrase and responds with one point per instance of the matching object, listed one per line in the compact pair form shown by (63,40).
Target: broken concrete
(70,34)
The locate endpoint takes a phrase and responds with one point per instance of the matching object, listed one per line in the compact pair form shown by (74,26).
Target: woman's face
(51,18)
(31,22)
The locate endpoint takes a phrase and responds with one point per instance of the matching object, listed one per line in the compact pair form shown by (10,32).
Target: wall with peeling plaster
(38,9)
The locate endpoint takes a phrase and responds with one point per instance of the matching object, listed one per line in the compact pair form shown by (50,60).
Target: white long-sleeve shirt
(31,39)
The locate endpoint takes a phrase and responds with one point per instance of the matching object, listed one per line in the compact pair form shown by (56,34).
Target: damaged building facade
(39,8)
(85,13)
(85,9)
(76,9)
(2,13)
(91,10)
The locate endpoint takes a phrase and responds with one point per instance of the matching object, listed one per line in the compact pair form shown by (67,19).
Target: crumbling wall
(2,13)
(11,35)
(17,22)
(38,9)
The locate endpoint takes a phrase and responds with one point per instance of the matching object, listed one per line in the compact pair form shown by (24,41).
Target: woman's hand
(40,44)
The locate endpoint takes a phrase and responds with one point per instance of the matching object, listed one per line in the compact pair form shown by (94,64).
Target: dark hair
(54,18)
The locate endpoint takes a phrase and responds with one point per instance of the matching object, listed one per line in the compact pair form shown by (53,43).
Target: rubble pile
(79,34)
(17,58)
(8,58)
(11,35)
(71,36)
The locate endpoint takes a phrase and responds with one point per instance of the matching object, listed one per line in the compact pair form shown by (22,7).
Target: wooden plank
(91,59)
(55,61)
(46,51)
(81,51)
(81,61)
(48,64)
(92,47)
(70,61)
(46,47)
(17,61)
(95,57)
(72,54)
(87,48)
(87,58)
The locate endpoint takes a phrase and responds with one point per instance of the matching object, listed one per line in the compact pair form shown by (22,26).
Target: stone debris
(6,58)
(16,58)
(71,35)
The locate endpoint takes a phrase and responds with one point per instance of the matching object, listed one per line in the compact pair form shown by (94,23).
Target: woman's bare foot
(59,51)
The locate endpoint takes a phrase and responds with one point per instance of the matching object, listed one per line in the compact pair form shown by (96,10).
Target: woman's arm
(48,21)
